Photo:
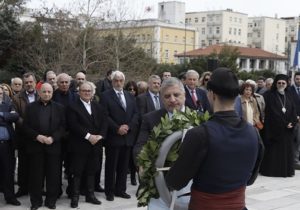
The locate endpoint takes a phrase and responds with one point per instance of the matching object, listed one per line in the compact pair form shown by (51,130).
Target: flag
(297,51)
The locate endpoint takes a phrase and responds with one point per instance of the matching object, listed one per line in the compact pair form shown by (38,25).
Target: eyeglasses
(131,89)
(281,83)
(86,91)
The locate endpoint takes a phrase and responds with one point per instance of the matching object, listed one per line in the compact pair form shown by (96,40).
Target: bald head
(46,92)
(80,78)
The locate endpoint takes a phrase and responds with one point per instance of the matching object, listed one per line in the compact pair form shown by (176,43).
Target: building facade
(159,39)
(249,58)
(267,34)
(221,26)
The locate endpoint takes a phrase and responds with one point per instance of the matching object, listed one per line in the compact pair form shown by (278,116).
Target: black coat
(202,102)
(31,127)
(117,116)
(81,122)
(149,120)
(145,103)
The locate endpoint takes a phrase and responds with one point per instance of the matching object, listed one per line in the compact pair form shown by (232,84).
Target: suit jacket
(20,102)
(31,128)
(7,118)
(102,85)
(117,116)
(202,102)
(295,98)
(81,122)
(149,120)
(145,103)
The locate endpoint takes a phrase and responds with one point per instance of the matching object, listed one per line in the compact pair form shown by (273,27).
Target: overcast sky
(283,8)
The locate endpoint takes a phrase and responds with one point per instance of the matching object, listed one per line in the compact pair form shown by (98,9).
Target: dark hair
(297,73)
(131,84)
(245,85)
(109,72)
(28,74)
(261,78)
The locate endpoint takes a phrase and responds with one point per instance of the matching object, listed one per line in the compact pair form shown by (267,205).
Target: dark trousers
(7,169)
(116,166)
(43,165)
(23,167)
(98,172)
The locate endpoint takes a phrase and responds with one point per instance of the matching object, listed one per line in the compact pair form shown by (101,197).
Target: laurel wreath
(149,153)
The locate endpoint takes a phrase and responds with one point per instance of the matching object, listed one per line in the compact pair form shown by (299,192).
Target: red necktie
(194,97)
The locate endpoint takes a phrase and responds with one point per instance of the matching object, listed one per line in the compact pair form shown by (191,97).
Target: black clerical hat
(224,82)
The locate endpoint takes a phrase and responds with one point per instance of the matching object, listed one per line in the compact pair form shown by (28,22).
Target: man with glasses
(88,126)
(16,85)
(280,121)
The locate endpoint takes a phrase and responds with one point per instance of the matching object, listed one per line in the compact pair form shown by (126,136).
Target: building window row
(235,31)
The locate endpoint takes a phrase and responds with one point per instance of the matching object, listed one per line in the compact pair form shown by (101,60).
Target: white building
(172,12)
(221,26)
(267,34)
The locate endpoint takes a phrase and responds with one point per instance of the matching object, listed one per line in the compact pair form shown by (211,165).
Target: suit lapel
(150,101)
(115,97)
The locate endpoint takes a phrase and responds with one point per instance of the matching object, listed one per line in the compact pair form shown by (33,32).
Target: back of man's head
(224,83)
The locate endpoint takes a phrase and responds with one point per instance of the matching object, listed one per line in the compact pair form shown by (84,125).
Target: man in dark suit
(44,126)
(150,100)
(196,98)
(123,122)
(87,122)
(7,117)
(295,93)
(20,101)
(173,96)
(105,84)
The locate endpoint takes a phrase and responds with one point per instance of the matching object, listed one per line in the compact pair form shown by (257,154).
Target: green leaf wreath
(147,157)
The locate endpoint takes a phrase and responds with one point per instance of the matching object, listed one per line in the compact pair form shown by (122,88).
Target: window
(175,52)
(203,31)
(234,31)
(230,30)
(148,52)
(210,18)
(276,48)
(167,37)
(186,20)
(240,20)
(217,41)
(240,32)
(203,43)
(209,42)
(210,30)
(143,37)
(196,20)
(176,39)
(258,34)
(166,54)
(292,28)
(217,30)
(203,19)
(277,36)
(148,37)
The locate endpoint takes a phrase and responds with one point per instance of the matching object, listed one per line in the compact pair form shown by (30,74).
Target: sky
(270,8)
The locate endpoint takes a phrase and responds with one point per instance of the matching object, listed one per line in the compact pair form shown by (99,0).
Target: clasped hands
(45,139)
(123,129)
(93,139)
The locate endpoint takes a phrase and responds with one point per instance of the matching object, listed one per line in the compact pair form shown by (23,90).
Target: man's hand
(123,130)
(49,140)
(289,125)
(41,139)
(93,139)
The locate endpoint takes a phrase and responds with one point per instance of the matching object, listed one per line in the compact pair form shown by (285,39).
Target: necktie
(121,101)
(156,103)
(298,91)
(194,97)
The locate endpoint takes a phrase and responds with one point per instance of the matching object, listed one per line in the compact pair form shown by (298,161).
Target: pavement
(267,193)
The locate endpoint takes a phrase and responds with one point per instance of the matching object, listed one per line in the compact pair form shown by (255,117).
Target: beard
(281,90)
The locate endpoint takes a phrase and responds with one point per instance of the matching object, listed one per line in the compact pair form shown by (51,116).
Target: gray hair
(171,81)
(117,73)
(61,75)
(154,77)
(269,80)
(191,71)
(13,79)
(92,85)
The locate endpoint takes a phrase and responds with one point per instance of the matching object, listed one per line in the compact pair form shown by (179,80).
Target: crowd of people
(63,127)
